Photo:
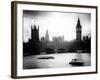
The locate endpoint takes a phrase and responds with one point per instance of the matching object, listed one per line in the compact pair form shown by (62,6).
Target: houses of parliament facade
(35,45)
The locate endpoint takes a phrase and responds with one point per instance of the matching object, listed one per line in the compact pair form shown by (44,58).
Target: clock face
(79,28)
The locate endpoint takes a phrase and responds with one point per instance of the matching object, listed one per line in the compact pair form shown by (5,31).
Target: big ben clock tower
(78,30)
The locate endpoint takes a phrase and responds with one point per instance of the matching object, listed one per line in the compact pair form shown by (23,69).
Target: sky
(57,24)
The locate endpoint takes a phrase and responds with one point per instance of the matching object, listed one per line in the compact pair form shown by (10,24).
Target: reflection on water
(58,61)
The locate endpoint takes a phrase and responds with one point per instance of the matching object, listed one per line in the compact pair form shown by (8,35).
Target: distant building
(78,30)
(47,36)
(58,42)
(43,40)
(59,39)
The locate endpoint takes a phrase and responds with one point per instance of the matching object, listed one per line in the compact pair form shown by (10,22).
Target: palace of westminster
(37,46)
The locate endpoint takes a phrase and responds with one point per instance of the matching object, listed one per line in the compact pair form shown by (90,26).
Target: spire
(78,23)
(47,36)
(78,20)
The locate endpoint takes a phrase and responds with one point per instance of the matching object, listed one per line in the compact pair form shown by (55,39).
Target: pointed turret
(47,36)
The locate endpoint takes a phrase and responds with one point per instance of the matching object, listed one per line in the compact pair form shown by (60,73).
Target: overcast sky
(57,24)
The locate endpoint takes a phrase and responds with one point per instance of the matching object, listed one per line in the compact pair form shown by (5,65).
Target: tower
(35,34)
(47,36)
(78,30)
(34,43)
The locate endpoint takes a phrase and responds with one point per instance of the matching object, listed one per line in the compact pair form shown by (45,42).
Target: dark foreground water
(56,61)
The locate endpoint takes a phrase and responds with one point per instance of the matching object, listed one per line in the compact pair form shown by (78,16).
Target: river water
(60,60)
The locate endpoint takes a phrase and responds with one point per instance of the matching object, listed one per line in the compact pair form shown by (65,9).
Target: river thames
(57,60)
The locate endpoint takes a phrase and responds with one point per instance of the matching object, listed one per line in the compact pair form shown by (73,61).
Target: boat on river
(76,62)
